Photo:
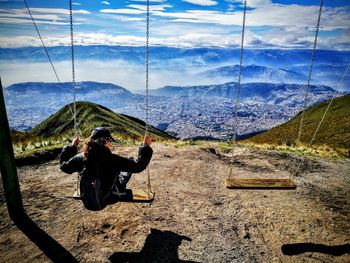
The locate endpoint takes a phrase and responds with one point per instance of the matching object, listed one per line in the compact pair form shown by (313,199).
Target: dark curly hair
(95,149)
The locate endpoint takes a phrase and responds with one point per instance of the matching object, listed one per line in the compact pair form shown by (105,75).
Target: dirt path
(194,218)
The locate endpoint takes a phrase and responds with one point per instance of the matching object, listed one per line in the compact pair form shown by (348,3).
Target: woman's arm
(70,161)
(133,166)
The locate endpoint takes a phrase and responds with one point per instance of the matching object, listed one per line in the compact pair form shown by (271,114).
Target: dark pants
(124,178)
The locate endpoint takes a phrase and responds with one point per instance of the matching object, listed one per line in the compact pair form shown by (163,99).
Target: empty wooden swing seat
(259,183)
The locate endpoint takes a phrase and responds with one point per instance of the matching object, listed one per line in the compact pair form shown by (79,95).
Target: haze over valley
(193,91)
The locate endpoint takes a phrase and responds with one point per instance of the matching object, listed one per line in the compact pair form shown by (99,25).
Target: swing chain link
(73,68)
(147,70)
(310,71)
(149,190)
(239,73)
(238,84)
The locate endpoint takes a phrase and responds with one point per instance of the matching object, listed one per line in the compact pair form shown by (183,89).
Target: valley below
(185,112)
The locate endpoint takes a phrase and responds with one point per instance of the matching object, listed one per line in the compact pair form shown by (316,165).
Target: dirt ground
(193,218)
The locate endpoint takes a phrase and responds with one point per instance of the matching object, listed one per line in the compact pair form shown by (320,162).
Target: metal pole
(8,166)
(52,249)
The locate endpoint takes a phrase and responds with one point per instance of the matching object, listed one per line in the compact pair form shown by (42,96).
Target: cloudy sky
(177,23)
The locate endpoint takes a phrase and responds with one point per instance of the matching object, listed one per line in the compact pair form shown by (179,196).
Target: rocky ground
(193,218)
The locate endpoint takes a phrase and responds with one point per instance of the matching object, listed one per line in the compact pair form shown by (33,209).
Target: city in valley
(189,112)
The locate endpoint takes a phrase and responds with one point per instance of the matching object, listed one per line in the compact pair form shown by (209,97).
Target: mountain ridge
(276,93)
(54,87)
(211,54)
(252,73)
(91,115)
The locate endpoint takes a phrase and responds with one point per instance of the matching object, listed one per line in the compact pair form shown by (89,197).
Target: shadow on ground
(160,246)
(300,248)
(49,246)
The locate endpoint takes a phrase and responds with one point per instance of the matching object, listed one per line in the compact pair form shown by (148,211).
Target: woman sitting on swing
(96,153)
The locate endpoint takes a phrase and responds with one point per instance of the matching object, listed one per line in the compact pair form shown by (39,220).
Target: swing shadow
(48,245)
(160,246)
(300,248)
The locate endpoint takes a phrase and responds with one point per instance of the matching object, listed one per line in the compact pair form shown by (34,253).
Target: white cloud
(53,16)
(258,3)
(202,2)
(151,8)
(105,3)
(203,16)
(252,3)
(76,3)
(125,11)
(275,25)
(57,11)
(136,9)
(119,72)
(8,20)
(274,15)
(151,1)
(189,38)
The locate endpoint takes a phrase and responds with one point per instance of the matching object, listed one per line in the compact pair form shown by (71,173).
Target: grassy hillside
(89,116)
(334,132)
(20,137)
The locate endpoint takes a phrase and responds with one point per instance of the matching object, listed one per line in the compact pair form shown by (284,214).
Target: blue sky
(180,23)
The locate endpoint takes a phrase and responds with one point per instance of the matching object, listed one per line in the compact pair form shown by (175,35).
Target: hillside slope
(193,217)
(19,136)
(334,132)
(89,116)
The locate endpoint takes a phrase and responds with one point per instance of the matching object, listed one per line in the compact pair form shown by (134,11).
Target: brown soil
(193,218)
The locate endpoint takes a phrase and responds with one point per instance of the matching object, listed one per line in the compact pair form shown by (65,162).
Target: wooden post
(8,166)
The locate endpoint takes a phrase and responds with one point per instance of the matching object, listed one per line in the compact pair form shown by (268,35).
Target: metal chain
(310,71)
(147,70)
(238,84)
(239,73)
(149,191)
(73,68)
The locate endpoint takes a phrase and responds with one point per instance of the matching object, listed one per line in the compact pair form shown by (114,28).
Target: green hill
(334,131)
(89,116)
(21,137)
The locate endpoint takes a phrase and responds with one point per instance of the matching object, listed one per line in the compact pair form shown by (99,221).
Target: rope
(73,68)
(239,73)
(49,57)
(322,119)
(42,42)
(310,71)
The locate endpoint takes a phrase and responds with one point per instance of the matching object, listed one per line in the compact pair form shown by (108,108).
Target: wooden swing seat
(259,183)
(130,195)
(134,195)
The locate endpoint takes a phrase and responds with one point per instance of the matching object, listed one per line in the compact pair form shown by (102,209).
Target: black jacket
(109,164)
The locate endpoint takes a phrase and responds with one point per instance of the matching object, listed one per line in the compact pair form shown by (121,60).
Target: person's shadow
(160,246)
(300,248)
(48,245)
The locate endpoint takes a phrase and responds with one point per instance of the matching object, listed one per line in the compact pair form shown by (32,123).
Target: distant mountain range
(277,94)
(82,88)
(266,57)
(260,65)
(253,73)
(334,131)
